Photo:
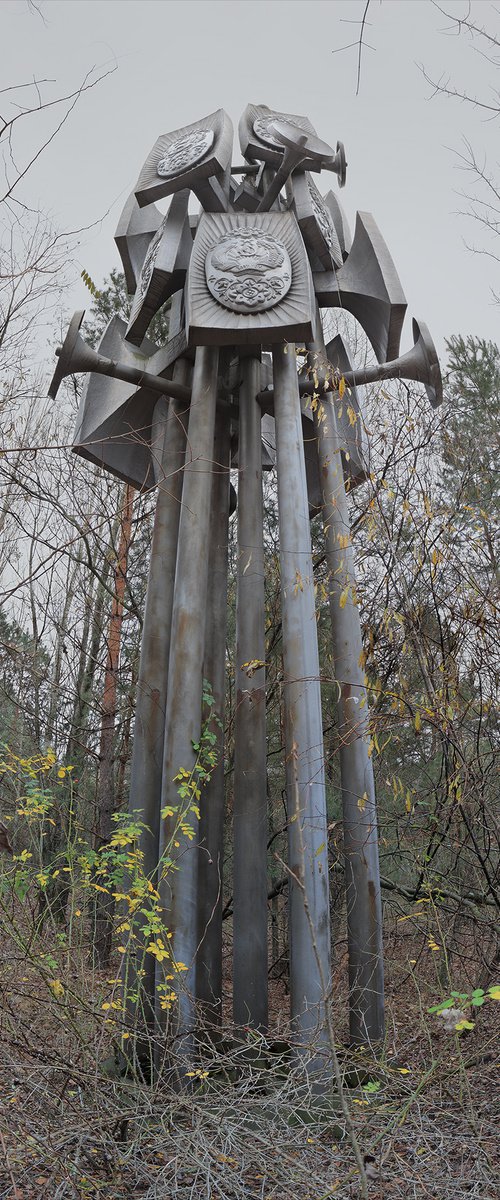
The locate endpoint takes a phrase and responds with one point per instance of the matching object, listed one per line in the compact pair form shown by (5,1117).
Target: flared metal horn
(76,358)
(339,164)
(421,364)
(74,355)
(368,287)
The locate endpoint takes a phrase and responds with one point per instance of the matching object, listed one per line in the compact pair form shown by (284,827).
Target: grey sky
(178,61)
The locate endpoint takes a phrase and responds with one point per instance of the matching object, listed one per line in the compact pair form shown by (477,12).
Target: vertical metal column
(364,908)
(211,828)
(168,450)
(307,821)
(185,682)
(250,988)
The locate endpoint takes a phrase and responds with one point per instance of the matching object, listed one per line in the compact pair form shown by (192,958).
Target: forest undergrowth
(75,1124)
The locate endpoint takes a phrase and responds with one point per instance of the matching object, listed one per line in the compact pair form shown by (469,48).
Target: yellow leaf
(418,722)
(56,988)
(299,586)
(362,802)
(341,387)
(255,664)
(352,415)
(343,597)
(494,992)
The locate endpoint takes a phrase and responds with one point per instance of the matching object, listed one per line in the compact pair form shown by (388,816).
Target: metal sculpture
(249,274)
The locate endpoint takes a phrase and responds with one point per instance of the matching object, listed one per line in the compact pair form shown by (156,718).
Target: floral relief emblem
(150,259)
(262,126)
(185,152)
(325,220)
(248,271)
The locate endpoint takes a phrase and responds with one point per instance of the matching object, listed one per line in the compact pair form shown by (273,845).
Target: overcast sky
(172,62)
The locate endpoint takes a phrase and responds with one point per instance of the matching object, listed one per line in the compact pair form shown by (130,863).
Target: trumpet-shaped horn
(339,164)
(76,357)
(421,364)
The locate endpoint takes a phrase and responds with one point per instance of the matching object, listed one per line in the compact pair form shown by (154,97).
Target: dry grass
(71,1130)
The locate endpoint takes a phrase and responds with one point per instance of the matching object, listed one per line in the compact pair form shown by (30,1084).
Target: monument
(246,279)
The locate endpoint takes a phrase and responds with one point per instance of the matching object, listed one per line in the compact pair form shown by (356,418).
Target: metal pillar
(168,451)
(211,827)
(250,989)
(364,908)
(178,887)
(307,820)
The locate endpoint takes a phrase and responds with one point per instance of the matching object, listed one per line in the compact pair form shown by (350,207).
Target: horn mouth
(432,378)
(65,354)
(340,159)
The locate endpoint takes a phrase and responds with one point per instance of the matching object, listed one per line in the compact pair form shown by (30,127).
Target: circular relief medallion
(148,265)
(248,271)
(262,126)
(324,218)
(185,152)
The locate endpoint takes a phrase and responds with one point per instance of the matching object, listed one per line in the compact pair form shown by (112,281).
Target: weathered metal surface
(113,427)
(299,148)
(164,268)
(178,887)
(364,909)
(244,259)
(258,139)
(168,450)
(250,819)
(340,221)
(243,195)
(134,232)
(350,425)
(76,357)
(350,421)
(249,285)
(368,287)
(307,821)
(211,827)
(187,158)
(316,222)
(421,364)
